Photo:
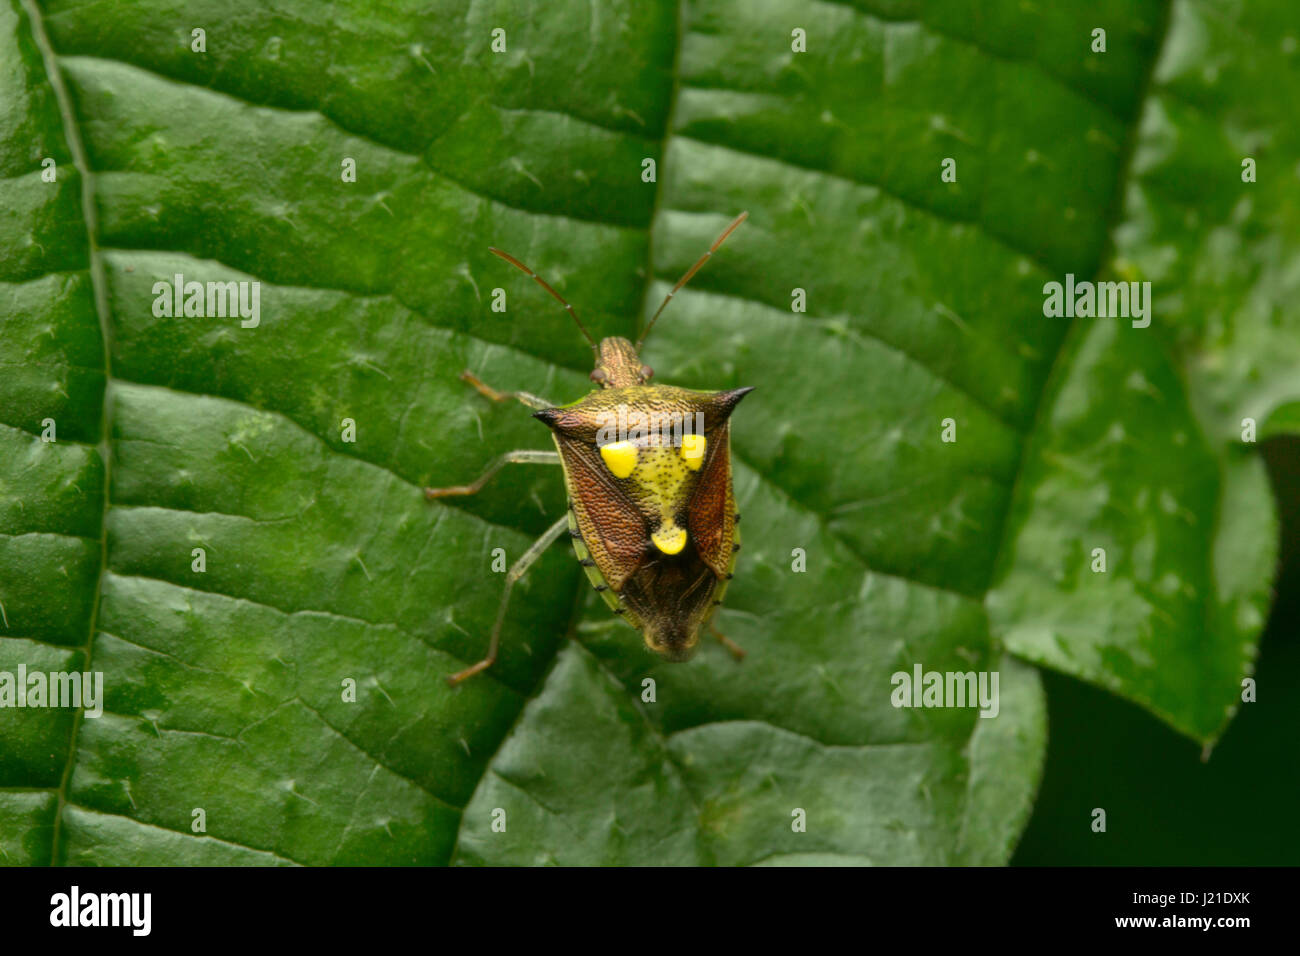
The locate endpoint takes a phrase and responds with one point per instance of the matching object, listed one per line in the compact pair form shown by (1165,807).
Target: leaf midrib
(72,134)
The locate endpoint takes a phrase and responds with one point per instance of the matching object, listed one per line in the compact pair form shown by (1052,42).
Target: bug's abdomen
(676,593)
(608,594)
(721,592)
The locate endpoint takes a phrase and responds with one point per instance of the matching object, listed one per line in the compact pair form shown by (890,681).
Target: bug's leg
(736,650)
(486,390)
(523,456)
(517,571)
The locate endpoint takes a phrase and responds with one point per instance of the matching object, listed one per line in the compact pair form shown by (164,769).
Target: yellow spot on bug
(693,451)
(620,458)
(669,539)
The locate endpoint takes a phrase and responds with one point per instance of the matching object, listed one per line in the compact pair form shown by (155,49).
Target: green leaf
(323,564)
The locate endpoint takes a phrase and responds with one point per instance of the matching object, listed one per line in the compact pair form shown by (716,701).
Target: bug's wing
(711,516)
(611,525)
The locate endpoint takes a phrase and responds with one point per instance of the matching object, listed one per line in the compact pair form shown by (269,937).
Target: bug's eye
(597,375)
(647,372)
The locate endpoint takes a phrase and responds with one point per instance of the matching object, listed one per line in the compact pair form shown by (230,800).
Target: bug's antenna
(558,298)
(690,272)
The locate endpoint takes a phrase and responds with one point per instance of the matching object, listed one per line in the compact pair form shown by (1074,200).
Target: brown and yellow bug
(651,509)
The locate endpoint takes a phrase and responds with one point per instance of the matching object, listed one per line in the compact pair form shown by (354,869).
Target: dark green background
(1164,805)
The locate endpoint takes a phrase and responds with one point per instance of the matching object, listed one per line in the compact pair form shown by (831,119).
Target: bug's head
(618,365)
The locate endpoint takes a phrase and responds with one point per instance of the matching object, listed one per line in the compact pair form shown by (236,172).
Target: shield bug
(651,511)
